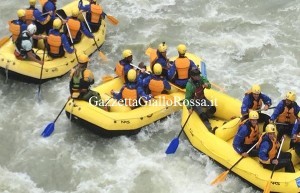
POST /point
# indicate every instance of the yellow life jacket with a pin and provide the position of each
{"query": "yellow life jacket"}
(182, 67)
(74, 26)
(55, 43)
(119, 70)
(253, 136)
(130, 96)
(15, 30)
(153, 58)
(287, 116)
(96, 11)
(156, 87)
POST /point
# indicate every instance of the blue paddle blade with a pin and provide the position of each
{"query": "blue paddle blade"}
(48, 130)
(203, 69)
(173, 146)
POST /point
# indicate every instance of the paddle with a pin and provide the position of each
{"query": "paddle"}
(103, 57)
(4, 40)
(50, 127)
(70, 36)
(175, 142)
(40, 83)
(268, 185)
(223, 175)
(112, 19)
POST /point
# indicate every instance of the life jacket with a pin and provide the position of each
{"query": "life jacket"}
(153, 57)
(55, 43)
(182, 67)
(130, 96)
(287, 116)
(79, 83)
(253, 134)
(273, 148)
(29, 14)
(156, 86)
(74, 26)
(119, 70)
(18, 44)
(256, 105)
(95, 14)
(15, 30)
(199, 91)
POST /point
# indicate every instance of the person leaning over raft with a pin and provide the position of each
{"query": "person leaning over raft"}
(285, 114)
(57, 42)
(132, 92)
(94, 14)
(247, 136)
(24, 44)
(81, 80)
(196, 99)
(268, 150)
(179, 72)
(253, 100)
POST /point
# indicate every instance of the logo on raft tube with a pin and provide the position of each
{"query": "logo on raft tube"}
(161, 101)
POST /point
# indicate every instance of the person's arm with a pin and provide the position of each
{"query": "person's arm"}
(267, 100)
(239, 139)
(85, 31)
(172, 72)
(277, 111)
(66, 44)
(142, 94)
(245, 105)
(167, 85)
(263, 153)
(40, 18)
(205, 82)
(84, 8)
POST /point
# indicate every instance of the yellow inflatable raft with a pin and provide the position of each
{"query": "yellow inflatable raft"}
(218, 146)
(29, 71)
(122, 120)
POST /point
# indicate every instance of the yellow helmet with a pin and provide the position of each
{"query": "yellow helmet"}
(270, 128)
(291, 96)
(32, 2)
(253, 115)
(256, 89)
(126, 53)
(75, 12)
(131, 75)
(162, 47)
(299, 114)
(181, 48)
(83, 58)
(21, 13)
(157, 69)
(57, 23)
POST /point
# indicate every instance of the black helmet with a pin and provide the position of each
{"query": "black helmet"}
(195, 72)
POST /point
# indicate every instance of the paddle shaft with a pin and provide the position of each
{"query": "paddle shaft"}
(40, 83)
(60, 111)
(184, 124)
(90, 31)
(277, 156)
(70, 36)
(242, 156)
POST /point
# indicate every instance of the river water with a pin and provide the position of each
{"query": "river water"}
(243, 42)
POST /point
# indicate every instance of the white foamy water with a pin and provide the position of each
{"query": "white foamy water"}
(243, 42)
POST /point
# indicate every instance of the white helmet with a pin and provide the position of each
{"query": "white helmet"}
(31, 28)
